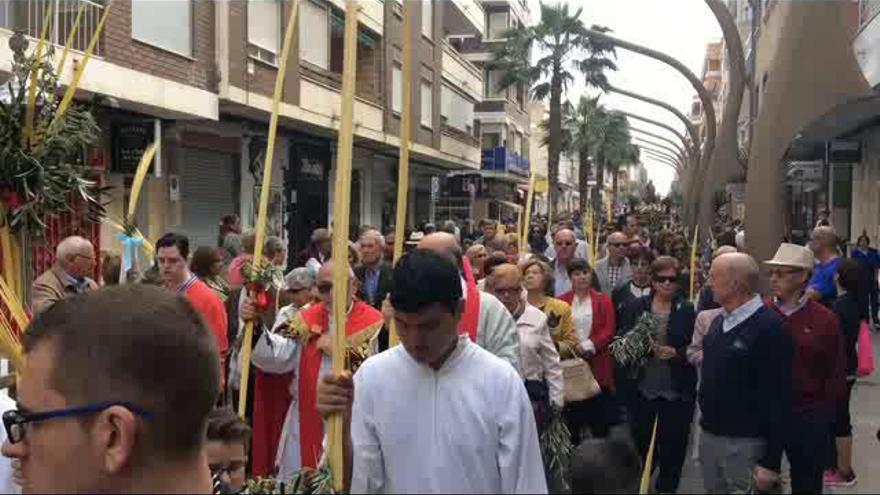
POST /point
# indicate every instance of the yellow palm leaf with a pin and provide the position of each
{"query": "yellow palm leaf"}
(139, 176)
(69, 40)
(32, 86)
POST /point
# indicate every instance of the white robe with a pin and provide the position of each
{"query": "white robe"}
(496, 330)
(466, 428)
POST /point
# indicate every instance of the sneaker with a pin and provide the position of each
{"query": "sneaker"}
(836, 478)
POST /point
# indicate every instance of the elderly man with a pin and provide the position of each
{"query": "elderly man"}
(823, 242)
(746, 387)
(374, 273)
(613, 270)
(706, 315)
(74, 263)
(538, 359)
(287, 426)
(485, 320)
(564, 245)
(490, 230)
(818, 367)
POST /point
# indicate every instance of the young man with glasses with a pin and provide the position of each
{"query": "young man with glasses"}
(114, 396)
(74, 265)
(818, 366)
(613, 270)
(288, 431)
(172, 254)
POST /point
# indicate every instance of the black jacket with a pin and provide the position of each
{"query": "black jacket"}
(384, 287)
(623, 298)
(679, 332)
(382, 290)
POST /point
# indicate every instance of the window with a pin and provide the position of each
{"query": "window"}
(264, 29)
(493, 77)
(314, 41)
(428, 18)
(457, 111)
(497, 25)
(396, 89)
(517, 142)
(427, 104)
(167, 24)
(490, 140)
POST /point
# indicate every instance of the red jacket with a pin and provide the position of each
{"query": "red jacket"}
(208, 304)
(818, 363)
(601, 335)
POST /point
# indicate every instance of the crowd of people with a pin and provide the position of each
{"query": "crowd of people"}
(502, 341)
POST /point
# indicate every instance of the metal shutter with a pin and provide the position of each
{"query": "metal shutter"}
(207, 183)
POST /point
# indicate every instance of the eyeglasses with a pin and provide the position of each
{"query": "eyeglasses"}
(325, 288)
(508, 291)
(618, 244)
(565, 244)
(661, 280)
(16, 420)
(90, 258)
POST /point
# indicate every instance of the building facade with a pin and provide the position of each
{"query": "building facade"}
(199, 76)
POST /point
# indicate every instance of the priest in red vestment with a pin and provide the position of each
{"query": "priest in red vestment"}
(287, 429)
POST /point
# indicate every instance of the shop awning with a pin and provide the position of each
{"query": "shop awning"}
(508, 204)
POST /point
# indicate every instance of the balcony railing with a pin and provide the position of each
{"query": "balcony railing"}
(27, 16)
(502, 159)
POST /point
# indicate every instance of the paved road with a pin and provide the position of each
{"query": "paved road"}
(865, 410)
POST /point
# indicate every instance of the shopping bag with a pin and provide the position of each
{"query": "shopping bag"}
(866, 351)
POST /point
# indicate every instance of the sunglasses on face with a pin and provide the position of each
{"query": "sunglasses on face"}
(15, 421)
(618, 244)
(662, 280)
(324, 288)
(565, 244)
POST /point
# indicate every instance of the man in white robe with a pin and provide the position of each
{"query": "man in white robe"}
(436, 414)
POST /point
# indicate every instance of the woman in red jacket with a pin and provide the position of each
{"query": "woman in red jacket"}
(593, 315)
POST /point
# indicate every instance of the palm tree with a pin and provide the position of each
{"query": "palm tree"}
(612, 147)
(560, 40)
(578, 132)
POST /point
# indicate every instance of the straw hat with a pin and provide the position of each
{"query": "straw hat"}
(792, 255)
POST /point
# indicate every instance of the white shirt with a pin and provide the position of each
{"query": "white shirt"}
(741, 313)
(538, 358)
(639, 291)
(582, 314)
(562, 284)
(465, 428)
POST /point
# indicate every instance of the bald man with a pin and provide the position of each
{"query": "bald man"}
(287, 430)
(74, 263)
(823, 242)
(746, 387)
(565, 248)
(613, 270)
(705, 300)
(485, 319)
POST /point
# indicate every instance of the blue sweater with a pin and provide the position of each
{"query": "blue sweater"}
(746, 385)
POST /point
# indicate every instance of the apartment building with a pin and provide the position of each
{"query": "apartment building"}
(501, 124)
(712, 81)
(198, 76)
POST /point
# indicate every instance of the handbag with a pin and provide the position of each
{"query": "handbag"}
(865, 351)
(578, 380)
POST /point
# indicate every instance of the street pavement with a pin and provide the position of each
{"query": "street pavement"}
(865, 410)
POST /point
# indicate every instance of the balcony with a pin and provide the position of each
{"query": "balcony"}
(27, 16)
(371, 13)
(502, 159)
(463, 17)
(462, 73)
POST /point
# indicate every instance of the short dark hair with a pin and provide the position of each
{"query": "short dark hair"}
(422, 278)
(139, 344)
(226, 427)
(578, 265)
(640, 253)
(202, 259)
(851, 276)
(180, 241)
(605, 465)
